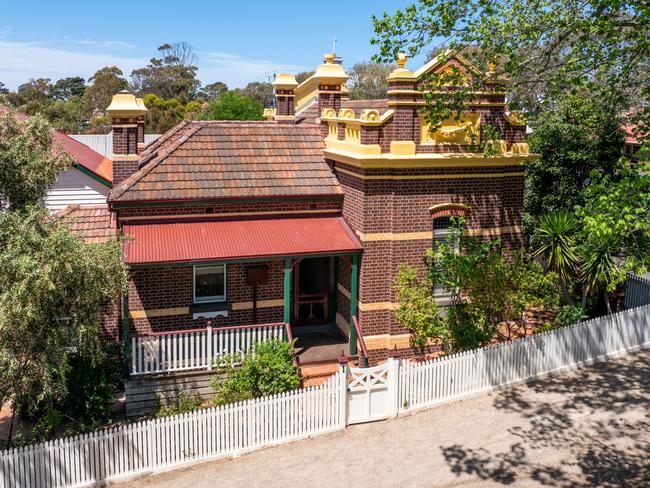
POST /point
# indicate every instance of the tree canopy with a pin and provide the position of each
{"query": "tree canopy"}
(30, 161)
(232, 105)
(547, 47)
(368, 80)
(105, 83)
(172, 75)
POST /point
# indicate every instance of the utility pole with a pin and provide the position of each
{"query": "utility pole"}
(334, 45)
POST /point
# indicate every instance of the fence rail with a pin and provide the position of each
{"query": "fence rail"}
(194, 349)
(467, 373)
(637, 291)
(172, 441)
(369, 393)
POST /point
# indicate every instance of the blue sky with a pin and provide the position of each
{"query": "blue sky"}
(236, 41)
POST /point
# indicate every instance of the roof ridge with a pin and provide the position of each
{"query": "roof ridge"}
(165, 137)
(128, 183)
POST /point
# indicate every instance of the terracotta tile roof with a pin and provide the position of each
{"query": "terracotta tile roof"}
(94, 224)
(231, 159)
(309, 114)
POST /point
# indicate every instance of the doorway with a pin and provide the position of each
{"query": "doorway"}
(312, 292)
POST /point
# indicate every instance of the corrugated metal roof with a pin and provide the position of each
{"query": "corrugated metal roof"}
(230, 240)
(103, 143)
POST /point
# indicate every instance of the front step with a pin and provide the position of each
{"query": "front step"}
(317, 373)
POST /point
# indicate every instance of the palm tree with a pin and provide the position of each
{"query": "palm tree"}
(556, 245)
(599, 265)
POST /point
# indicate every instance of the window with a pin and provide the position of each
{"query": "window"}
(210, 283)
(441, 231)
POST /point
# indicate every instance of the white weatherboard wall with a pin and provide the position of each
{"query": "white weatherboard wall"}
(75, 188)
(362, 395)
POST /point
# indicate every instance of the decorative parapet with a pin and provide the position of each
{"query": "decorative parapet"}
(465, 130)
(516, 118)
(367, 118)
(268, 114)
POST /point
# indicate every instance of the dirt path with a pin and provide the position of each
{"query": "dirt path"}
(587, 428)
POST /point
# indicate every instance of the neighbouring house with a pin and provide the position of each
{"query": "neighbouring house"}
(632, 145)
(234, 228)
(103, 143)
(87, 182)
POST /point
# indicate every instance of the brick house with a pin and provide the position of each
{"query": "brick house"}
(304, 218)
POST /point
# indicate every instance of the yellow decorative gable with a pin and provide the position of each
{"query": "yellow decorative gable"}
(464, 130)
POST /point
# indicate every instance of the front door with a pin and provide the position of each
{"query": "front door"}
(312, 285)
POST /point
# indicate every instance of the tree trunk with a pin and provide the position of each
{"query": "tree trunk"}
(609, 308)
(566, 296)
(11, 425)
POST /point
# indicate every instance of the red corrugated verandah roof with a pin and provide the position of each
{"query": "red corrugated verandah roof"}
(180, 242)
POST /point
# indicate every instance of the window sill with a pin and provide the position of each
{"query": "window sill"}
(209, 310)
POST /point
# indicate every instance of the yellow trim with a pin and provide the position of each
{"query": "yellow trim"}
(126, 157)
(168, 312)
(353, 147)
(402, 148)
(343, 324)
(158, 312)
(374, 306)
(431, 177)
(344, 153)
(344, 291)
(427, 235)
(468, 103)
(285, 117)
(440, 92)
(368, 118)
(260, 304)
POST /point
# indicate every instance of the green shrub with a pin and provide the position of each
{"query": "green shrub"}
(90, 385)
(266, 369)
(569, 315)
(184, 403)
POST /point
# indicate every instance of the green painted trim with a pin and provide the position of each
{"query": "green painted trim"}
(126, 340)
(354, 279)
(94, 176)
(287, 290)
(192, 203)
(236, 261)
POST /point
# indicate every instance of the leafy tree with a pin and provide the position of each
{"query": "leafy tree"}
(213, 90)
(52, 290)
(172, 75)
(30, 162)
(549, 47)
(267, 369)
(303, 75)
(35, 90)
(65, 88)
(368, 80)
(3, 89)
(103, 85)
(231, 105)
(575, 136)
(260, 91)
(418, 311)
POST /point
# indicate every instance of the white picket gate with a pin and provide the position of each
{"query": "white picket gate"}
(353, 396)
(372, 392)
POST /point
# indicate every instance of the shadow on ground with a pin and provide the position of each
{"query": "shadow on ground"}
(600, 417)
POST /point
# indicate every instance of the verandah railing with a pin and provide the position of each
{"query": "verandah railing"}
(195, 349)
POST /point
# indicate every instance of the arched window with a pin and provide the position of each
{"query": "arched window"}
(442, 216)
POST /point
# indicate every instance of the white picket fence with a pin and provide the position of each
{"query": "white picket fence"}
(169, 442)
(196, 348)
(361, 394)
(471, 372)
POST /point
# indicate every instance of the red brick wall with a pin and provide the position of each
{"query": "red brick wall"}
(166, 288)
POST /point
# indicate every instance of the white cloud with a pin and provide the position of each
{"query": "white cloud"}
(236, 71)
(20, 61)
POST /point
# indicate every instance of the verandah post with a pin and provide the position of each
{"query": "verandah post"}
(287, 295)
(209, 344)
(353, 303)
(126, 342)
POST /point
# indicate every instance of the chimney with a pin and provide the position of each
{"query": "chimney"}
(284, 86)
(331, 78)
(127, 118)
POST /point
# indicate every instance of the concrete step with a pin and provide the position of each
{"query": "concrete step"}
(318, 372)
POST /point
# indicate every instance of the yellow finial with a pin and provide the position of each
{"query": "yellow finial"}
(329, 58)
(401, 60)
(492, 66)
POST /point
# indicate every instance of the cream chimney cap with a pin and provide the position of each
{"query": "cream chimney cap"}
(330, 72)
(285, 81)
(125, 104)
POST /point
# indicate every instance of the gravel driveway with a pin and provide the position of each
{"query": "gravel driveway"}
(587, 428)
